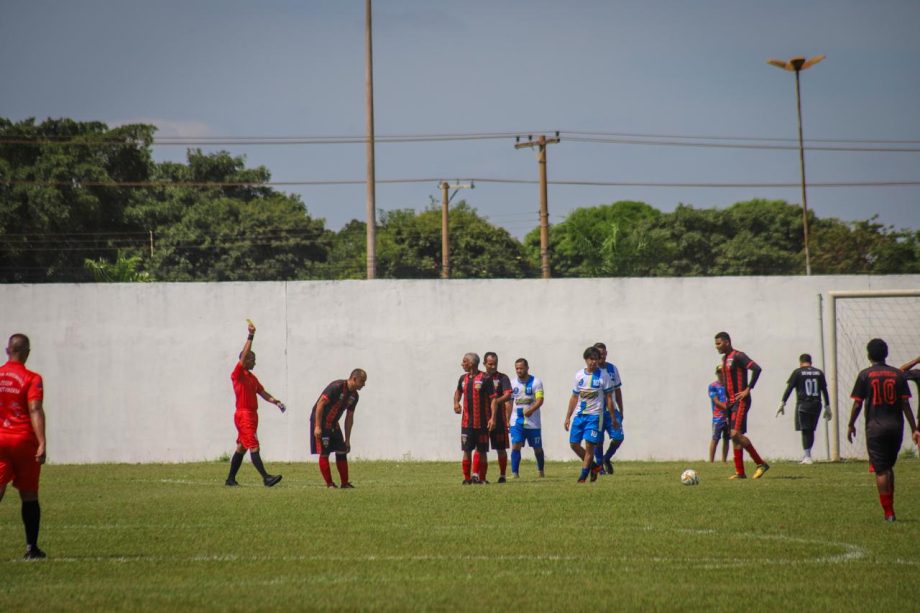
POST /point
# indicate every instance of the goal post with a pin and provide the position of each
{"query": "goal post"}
(855, 318)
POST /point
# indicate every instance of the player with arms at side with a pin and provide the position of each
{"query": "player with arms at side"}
(735, 367)
(498, 424)
(246, 387)
(809, 385)
(719, 405)
(601, 457)
(340, 396)
(527, 398)
(22, 436)
(884, 391)
(473, 401)
(592, 392)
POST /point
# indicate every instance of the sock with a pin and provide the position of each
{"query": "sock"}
(739, 462)
(614, 445)
(599, 453)
(584, 474)
(341, 462)
(808, 441)
(483, 465)
(503, 464)
(887, 501)
(476, 465)
(257, 462)
(467, 468)
(324, 469)
(515, 460)
(753, 453)
(235, 462)
(539, 454)
(31, 518)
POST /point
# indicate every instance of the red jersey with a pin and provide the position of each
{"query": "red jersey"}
(246, 387)
(478, 391)
(18, 386)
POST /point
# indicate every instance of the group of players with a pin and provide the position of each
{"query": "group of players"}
(499, 412)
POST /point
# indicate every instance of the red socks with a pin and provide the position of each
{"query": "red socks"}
(739, 463)
(342, 465)
(887, 501)
(503, 464)
(753, 453)
(481, 464)
(467, 467)
(324, 469)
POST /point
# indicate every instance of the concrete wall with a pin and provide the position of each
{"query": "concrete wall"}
(140, 372)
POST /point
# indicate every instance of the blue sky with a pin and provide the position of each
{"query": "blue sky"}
(274, 68)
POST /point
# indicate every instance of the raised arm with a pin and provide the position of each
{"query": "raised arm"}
(247, 346)
(911, 364)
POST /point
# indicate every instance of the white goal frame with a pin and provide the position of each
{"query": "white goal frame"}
(832, 371)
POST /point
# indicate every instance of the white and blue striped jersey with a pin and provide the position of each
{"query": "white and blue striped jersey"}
(614, 379)
(591, 389)
(523, 395)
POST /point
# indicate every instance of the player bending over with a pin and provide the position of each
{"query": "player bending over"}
(340, 396)
(527, 398)
(592, 391)
(246, 387)
(22, 436)
(884, 391)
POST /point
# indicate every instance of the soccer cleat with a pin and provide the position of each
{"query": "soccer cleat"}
(475, 480)
(348, 486)
(608, 467)
(271, 480)
(581, 481)
(541, 474)
(34, 553)
(515, 475)
(231, 483)
(332, 485)
(501, 479)
(807, 460)
(738, 476)
(761, 470)
(467, 482)
(889, 518)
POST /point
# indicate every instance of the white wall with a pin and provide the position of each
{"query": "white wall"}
(140, 372)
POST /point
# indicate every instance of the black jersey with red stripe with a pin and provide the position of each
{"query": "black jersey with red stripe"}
(883, 389)
(735, 367)
(338, 400)
(478, 391)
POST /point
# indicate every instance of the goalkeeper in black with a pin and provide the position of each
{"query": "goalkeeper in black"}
(809, 385)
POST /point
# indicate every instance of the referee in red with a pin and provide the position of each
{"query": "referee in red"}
(22, 436)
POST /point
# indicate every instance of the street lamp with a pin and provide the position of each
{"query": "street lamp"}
(798, 64)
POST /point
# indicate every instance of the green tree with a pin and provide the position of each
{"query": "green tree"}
(863, 247)
(123, 270)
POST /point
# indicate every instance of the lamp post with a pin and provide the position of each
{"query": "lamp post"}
(798, 64)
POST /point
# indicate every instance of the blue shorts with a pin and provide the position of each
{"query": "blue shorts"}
(615, 434)
(520, 434)
(587, 428)
(721, 430)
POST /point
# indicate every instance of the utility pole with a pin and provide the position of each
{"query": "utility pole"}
(541, 144)
(445, 201)
(369, 114)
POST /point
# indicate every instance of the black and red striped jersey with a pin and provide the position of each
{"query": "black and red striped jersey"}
(735, 367)
(477, 392)
(338, 400)
(501, 383)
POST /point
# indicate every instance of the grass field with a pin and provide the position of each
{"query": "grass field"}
(160, 537)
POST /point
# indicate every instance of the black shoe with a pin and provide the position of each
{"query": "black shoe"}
(501, 479)
(332, 485)
(475, 480)
(231, 483)
(271, 480)
(608, 467)
(348, 486)
(467, 481)
(34, 553)
(890, 519)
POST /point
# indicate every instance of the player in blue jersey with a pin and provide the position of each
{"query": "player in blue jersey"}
(718, 401)
(591, 393)
(616, 435)
(524, 416)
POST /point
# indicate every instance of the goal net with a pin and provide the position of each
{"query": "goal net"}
(858, 317)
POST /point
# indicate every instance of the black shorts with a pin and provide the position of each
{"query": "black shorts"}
(500, 438)
(806, 416)
(474, 439)
(883, 447)
(330, 441)
(738, 414)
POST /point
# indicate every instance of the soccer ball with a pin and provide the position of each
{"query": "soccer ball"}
(689, 477)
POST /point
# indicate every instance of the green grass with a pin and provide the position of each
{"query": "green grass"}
(160, 537)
